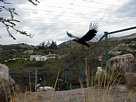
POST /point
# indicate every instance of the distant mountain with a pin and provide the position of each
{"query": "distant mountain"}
(13, 50)
(20, 45)
(66, 44)
(130, 37)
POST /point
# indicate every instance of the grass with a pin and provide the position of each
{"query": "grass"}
(103, 89)
(80, 95)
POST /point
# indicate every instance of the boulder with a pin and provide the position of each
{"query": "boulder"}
(6, 84)
(131, 80)
(124, 63)
(4, 72)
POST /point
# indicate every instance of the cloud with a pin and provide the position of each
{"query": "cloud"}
(52, 18)
(129, 9)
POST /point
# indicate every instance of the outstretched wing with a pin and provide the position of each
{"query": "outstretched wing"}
(89, 35)
(78, 40)
(72, 36)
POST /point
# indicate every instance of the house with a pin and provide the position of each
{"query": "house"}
(50, 55)
(42, 57)
(38, 58)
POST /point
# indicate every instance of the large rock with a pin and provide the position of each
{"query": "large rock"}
(4, 72)
(125, 63)
(131, 80)
(6, 84)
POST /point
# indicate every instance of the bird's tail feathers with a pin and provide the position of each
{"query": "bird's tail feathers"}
(72, 36)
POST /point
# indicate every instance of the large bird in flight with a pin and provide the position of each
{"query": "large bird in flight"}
(87, 37)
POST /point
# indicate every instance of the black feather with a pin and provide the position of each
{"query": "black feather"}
(87, 37)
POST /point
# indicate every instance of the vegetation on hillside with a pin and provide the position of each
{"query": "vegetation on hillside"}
(70, 61)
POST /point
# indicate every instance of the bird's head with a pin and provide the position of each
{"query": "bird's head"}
(93, 31)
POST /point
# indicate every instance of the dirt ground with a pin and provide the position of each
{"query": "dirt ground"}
(78, 95)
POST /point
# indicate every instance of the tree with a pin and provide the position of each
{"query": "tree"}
(42, 45)
(53, 45)
(9, 21)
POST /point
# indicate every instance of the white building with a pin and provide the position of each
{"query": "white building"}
(38, 58)
(51, 55)
(41, 57)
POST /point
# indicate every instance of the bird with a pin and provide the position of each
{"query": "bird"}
(87, 37)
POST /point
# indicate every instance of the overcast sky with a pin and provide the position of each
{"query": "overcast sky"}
(52, 18)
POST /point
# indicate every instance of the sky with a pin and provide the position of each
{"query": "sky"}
(52, 18)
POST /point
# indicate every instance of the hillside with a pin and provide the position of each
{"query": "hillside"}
(70, 60)
(127, 37)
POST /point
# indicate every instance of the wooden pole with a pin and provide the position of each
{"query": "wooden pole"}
(29, 81)
(56, 80)
(86, 72)
(36, 79)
